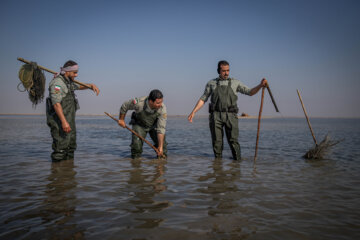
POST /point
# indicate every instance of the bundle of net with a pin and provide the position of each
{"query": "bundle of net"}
(33, 80)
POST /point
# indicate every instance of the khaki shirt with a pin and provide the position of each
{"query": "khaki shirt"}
(58, 89)
(137, 104)
(236, 85)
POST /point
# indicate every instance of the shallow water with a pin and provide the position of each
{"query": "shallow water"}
(104, 194)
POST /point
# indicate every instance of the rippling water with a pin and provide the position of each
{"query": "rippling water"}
(103, 194)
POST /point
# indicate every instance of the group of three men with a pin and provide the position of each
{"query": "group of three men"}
(149, 115)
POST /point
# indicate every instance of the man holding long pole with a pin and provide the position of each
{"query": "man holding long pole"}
(223, 108)
(149, 116)
(61, 106)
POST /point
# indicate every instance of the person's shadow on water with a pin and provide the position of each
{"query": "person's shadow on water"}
(144, 183)
(59, 205)
(221, 187)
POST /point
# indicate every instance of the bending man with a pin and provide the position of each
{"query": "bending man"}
(223, 108)
(149, 117)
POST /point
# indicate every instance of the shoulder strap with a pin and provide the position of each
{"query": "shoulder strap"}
(144, 107)
(69, 85)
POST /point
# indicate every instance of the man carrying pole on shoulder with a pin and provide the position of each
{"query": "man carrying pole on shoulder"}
(61, 106)
(223, 108)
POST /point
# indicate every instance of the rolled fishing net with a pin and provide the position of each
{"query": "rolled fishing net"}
(33, 80)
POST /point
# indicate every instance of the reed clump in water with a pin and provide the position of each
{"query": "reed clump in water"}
(321, 149)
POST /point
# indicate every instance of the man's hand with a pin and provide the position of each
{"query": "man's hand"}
(190, 117)
(65, 126)
(197, 107)
(121, 122)
(161, 153)
(161, 150)
(263, 82)
(95, 89)
(90, 86)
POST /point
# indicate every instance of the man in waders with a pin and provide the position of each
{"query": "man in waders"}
(149, 116)
(60, 111)
(223, 109)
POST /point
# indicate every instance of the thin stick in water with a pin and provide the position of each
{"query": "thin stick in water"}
(136, 134)
(258, 128)
(307, 118)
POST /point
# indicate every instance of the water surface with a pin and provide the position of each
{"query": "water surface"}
(103, 194)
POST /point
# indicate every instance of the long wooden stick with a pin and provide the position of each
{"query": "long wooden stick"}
(307, 118)
(136, 134)
(53, 72)
(258, 128)
(272, 98)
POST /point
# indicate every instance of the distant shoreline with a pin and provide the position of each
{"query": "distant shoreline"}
(175, 115)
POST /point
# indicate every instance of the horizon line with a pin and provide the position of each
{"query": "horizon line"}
(175, 115)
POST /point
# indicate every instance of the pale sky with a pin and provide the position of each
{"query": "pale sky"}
(128, 48)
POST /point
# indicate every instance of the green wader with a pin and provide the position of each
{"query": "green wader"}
(223, 114)
(64, 144)
(143, 123)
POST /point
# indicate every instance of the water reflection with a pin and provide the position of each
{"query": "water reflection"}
(59, 205)
(222, 187)
(145, 182)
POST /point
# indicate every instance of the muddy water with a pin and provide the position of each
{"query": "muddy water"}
(103, 194)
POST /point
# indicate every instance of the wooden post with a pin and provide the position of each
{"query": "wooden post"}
(258, 128)
(272, 98)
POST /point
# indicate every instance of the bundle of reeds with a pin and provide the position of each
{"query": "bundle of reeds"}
(319, 150)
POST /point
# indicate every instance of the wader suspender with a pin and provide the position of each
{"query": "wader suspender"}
(144, 119)
(213, 106)
(70, 85)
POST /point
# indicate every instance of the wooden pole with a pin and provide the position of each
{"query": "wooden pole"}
(258, 128)
(272, 98)
(53, 72)
(307, 118)
(136, 134)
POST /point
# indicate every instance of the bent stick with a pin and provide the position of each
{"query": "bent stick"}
(272, 98)
(258, 128)
(53, 72)
(307, 118)
(136, 134)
